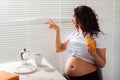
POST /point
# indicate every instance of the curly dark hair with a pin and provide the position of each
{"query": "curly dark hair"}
(87, 19)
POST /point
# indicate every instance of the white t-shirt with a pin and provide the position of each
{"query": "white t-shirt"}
(77, 45)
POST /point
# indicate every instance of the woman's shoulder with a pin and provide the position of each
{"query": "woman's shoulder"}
(100, 40)
(73, 33)
(99, 35)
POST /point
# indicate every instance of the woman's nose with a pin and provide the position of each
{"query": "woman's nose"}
(72, 20)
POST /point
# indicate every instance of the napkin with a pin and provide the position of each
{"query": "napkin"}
(8, 76)
(36, 78)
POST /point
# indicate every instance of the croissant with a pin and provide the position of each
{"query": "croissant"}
(90, 42)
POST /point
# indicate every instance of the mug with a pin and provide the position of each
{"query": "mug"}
(38, 59)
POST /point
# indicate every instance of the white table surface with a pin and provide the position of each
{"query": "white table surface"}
(44, 72)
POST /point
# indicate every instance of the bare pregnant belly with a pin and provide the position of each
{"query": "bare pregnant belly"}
(77, 67)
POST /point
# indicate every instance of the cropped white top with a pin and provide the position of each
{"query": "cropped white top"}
(77, 45)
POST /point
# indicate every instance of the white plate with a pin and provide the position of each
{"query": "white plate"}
(25, 69)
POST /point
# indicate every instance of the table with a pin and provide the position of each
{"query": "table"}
(44, 72)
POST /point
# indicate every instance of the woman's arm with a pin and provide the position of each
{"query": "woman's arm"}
(60, 46)
(99, 56)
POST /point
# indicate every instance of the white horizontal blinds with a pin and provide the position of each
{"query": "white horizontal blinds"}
(29, 8)
(41, 38)
(37, 38)
(43, 8)
(13, 8)
(67, 6)
(12, 38)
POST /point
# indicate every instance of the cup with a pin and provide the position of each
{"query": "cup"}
(38, 59)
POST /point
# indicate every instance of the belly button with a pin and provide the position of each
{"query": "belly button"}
(72, 67)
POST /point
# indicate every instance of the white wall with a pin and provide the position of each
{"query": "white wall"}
(116, 53)
(39, 39)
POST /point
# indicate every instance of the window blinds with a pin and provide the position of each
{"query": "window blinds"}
(37, 37)
(22, 26)
(17, 29)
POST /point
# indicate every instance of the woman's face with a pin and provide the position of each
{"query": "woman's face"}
(74, 20)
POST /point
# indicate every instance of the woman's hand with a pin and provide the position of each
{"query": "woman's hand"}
(92, 52)
(52, 25)
(99, 56)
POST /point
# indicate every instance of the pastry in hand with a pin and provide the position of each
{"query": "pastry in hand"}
(90, 42)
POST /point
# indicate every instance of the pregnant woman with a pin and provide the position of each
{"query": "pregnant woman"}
(85, 45)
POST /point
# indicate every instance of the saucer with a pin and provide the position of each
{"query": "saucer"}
(37, 78)
(25, 69)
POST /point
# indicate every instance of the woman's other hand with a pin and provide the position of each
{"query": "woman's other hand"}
(99, 56)
(92, 52)
(52, 25)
